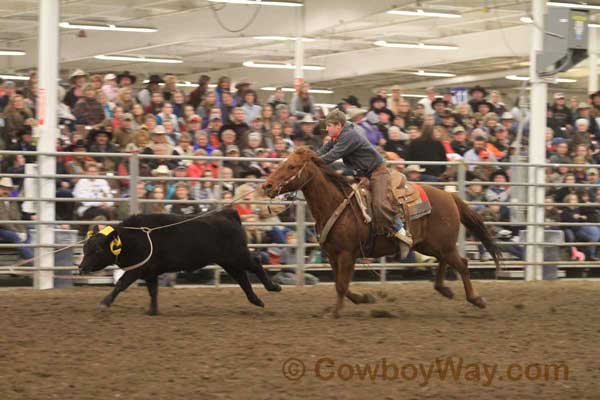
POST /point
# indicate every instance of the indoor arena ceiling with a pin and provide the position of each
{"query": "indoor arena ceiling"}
(492, 40)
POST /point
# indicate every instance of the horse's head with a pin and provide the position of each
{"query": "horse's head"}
(291, 175)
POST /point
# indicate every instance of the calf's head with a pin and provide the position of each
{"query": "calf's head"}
(100, 250)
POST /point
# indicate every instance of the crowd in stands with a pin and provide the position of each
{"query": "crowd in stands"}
(115, 113)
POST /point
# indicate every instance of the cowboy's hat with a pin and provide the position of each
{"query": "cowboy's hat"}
(414, 168)
(77, 73)
(161, 170)
(6, 182)
(126, 74)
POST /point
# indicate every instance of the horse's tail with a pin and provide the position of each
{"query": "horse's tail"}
(474, 224)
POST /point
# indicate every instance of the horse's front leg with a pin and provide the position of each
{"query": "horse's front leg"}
(344, 272)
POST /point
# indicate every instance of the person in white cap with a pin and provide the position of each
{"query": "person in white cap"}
(9, 210)
(110, 89)
(561, 114)
(78, 78)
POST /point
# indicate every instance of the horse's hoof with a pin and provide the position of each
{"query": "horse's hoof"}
(445, 291)
(103, 307)
(152, 312)
(479, 302)
(368, 298)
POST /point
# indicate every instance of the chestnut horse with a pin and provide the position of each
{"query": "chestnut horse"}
(434, 234)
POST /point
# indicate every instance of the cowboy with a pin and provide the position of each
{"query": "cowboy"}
(9, 210)
(357, 153)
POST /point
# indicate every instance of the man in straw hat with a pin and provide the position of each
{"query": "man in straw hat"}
(9, 210)
(358, 154)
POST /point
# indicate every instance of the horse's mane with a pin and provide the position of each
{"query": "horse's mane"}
(338, 180)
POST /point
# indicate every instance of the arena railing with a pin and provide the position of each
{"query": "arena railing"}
(533, 265)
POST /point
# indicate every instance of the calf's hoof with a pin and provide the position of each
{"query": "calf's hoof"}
(152, 312)
(275, 287)
(102, 306)
(257, 302)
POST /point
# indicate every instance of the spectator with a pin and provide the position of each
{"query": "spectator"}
(153, 86)
(78, 78)
(166, 114)
(302, 102)
(581, 134)
(498, 192)
(125, 79)
(480, 153)
(478, 95)
(250, 106)
(109, 88)
(560, 112)
(125, 99)
(277, 98)
(426, 101)
(397, 142)
(205, 107)
(200, 91)
(459, 143)
(17, 116)
(9, 211)
(427, 148)
(93, 188)
(157, 193)
(88, 110)
(124, 134)
(223, 86)
(239, 126)
(182, 192)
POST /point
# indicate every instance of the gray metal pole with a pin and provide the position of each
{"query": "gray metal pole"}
(49, 12)
(593, 49)
(461, 178)
(219, 191)
(537, 147)
(301, 235)
(134, 173)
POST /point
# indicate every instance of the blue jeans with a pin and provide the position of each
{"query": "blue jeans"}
(588, 234)
(12, 237)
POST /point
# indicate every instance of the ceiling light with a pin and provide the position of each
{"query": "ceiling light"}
(422, 13)
(526, 78)
(252, 64)
(383, 43)
(260, 2)
(573, 5)
(288, 89)
(8, 52)
(529, 20)
(438, 74)
(139, 59)
(14, 77)
(107, 27)
(304, 39)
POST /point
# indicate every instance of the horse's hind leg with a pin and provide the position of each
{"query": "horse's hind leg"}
(461, 265)
(439, 281)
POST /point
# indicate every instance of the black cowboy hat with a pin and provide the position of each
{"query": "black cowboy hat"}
(439, 100)
(490, 105)
(387, 111)
(95, 132)
(155, 79)
(595, 94)
(353, 100)
(126, 74)
(376, 99)
(24, 130)
(478, 88)
(499, 172)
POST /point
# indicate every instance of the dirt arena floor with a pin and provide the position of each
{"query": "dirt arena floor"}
(534, 341)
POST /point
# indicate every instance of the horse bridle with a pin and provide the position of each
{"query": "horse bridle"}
(293, 178)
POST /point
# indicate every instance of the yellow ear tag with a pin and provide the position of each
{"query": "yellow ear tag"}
(107, 231)
(90, 233)
(116, 246)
